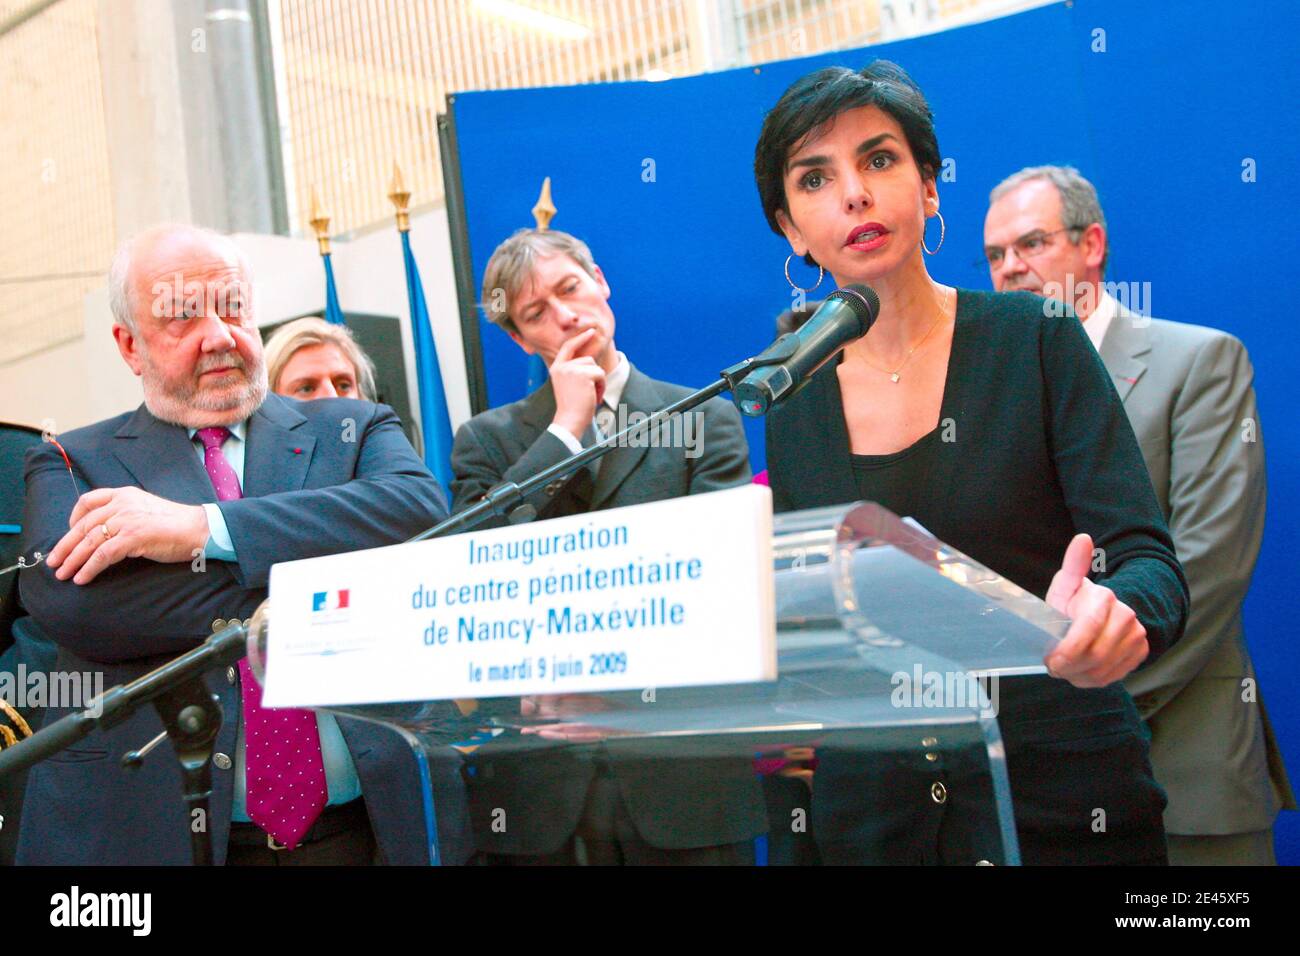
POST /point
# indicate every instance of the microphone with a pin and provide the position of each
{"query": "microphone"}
(847, 314)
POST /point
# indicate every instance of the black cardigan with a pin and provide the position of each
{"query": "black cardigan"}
(1040, 450)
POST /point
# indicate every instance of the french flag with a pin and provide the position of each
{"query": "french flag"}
(329, 600)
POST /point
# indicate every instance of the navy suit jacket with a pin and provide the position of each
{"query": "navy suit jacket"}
(320, 478)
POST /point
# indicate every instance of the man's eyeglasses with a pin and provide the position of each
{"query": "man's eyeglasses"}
(1028, 246)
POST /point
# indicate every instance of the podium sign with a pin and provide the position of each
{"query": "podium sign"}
(890, 646)
(669, 594)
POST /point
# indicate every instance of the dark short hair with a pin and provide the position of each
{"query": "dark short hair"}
(814, 100)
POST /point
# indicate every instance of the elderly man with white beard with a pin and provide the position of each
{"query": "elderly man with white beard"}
(169, 526)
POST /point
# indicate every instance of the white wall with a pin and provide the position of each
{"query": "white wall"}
(50, 385)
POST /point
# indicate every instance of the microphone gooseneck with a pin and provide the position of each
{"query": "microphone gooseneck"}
(846, 315)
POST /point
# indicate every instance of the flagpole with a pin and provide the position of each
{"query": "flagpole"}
(543, 212)
(435, 421)
(400, 197)
(320, 224)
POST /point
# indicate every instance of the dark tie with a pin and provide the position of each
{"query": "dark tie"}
(284, 770)
(605, 419)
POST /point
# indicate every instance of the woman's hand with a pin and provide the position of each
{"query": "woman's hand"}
(1105, 640)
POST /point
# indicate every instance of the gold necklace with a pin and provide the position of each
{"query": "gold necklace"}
(894, 376)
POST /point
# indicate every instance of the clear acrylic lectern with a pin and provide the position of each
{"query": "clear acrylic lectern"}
(887, 640)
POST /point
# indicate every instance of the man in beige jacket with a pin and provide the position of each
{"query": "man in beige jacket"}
(1189, 396)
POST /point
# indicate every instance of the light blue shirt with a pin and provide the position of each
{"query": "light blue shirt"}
(219, 546)
(341, 780)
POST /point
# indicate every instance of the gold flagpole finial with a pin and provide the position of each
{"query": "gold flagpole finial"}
(545, 210)
(400, 197)
(320, 223)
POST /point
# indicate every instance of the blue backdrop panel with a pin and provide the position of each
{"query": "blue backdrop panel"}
(1178, 104)
(1159, 104)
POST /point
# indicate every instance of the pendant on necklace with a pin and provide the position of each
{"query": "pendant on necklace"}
(894, 378)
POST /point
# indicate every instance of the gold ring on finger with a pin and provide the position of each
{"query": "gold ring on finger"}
(103, 529)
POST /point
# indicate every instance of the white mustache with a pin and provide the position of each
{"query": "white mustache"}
(209, 363)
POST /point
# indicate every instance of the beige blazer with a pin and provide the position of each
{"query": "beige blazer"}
(1189, 394)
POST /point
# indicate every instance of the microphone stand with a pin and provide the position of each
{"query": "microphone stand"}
(191, 714)
(508, 498)
(189, 711)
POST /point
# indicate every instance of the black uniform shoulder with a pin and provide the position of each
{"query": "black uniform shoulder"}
(1012, 315)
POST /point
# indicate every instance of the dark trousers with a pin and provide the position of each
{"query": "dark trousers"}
(1091, 801)
(341, 837)
(606, 836)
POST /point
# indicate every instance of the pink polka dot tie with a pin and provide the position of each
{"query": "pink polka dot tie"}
(283, 765)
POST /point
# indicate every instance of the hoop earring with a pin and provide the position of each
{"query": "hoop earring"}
(821, 274)
(943, 229)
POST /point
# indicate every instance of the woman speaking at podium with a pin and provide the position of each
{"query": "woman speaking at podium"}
(996, 426)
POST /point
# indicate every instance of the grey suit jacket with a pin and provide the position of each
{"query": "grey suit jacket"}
(511, 443)
(1188, 393)
(710, 799)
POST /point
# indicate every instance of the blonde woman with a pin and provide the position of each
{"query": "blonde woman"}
(311, 358)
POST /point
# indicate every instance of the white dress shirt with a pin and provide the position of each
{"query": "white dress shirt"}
(1097, 323)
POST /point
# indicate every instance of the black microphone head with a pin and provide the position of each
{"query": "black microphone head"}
(846, 315)
(864, 302)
